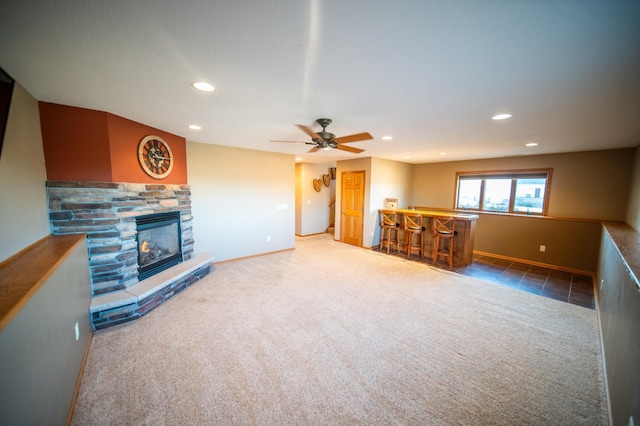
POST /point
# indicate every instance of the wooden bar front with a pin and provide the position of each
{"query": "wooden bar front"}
(465, 228)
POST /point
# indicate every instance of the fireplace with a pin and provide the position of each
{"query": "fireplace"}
(159, 242)
(118, 218)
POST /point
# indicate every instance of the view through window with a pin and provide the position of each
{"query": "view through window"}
(521, 191)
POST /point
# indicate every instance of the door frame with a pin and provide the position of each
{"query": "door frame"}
(360, 239)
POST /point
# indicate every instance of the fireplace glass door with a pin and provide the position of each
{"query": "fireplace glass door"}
(159, 243)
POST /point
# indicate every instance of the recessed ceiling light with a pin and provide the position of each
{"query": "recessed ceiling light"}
(387, 138)
(298, 158)
(204, 86)
(501, 116)
(407, 156)
(531, 144)
(443, 153)
(195, 127)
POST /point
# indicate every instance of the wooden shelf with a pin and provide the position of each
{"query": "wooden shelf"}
(22, 275)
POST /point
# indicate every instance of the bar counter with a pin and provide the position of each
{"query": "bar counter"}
(465, 227)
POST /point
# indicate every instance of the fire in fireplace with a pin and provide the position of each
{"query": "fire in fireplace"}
(159, 243)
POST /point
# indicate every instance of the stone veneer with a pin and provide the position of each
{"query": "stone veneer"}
(106, 212)
(121, 306)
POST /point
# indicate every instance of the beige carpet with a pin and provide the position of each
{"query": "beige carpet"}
(333, 334)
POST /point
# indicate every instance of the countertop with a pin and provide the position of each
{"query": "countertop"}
(627, 241)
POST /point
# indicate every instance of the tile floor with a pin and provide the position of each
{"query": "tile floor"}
(561, 285)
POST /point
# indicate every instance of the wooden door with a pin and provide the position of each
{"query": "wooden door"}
(352, 208)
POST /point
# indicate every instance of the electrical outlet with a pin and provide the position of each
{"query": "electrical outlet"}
(543, 248)
(77, 331)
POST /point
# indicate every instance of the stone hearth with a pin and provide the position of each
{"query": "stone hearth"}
(106, 212)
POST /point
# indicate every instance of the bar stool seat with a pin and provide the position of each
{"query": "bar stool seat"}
(413, 226)
(444, 230)
(388, 229)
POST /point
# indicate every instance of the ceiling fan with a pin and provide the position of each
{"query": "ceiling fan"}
(326, 140)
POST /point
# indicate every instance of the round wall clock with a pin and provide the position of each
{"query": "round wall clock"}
(155, 157)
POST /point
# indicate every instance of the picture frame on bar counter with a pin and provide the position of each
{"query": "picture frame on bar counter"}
(391, 203)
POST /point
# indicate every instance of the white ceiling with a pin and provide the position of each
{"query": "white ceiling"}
(429, 73)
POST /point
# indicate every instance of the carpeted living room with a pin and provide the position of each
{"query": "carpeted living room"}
(329, 333)
(320, 212)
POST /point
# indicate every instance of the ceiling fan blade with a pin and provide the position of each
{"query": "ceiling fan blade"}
(354, 138)
(314, 149)
(350, 149)
(308, 143)
(308, 131)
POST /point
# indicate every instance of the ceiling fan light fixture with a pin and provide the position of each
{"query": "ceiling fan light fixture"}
(203, 85)
(501, 116)
(326, 141)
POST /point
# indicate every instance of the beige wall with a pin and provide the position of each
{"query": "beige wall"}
(389, 179)
(23, 211)
(619, 306)
(313, 213)
(41, 358)
(243, 201)
(569, 244)
(586, 185)
(633, 205)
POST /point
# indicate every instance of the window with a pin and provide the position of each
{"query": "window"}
(515, 191)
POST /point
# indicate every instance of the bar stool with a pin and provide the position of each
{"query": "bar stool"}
(444, 230)
(388, 224)
(413, 226)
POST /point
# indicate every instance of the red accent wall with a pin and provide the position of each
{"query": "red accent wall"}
(76, 143)
(88, 145)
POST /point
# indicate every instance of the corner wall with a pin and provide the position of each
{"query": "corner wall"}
(633, 204)
(243, 201)
(390, 179)
(619, 306)
(619, 313)
(23, 211)
(40, 357)
(95, 146)
(313, 210)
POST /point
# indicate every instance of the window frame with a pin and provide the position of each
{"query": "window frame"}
(514, 175)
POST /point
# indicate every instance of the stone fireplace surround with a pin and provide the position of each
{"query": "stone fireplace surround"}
(106, 212)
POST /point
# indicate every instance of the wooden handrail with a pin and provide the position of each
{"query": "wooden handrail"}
(22, 275)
